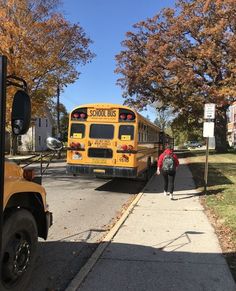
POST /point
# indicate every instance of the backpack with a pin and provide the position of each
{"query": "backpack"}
(168, 164)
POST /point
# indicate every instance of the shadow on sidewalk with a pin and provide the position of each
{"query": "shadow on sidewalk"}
(120, 185)
(189, 187)
(135, 267)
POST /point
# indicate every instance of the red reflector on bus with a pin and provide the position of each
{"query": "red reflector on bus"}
(130, 147)
(125, 157)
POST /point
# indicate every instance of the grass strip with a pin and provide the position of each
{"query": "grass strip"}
(220, 201)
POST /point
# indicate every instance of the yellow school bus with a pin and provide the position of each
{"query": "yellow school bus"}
(24, 213)
(111, 140)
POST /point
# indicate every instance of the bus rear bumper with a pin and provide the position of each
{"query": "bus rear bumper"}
(93, 170)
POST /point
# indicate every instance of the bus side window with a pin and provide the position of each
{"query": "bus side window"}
(77, 130)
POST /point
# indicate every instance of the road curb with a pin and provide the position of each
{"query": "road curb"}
(82, 274)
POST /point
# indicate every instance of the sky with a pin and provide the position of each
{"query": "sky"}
(105, 22)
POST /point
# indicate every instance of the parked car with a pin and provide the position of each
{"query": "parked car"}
(194, 144)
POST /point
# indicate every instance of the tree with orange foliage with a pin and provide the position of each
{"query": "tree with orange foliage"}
(184, 57)
(42, 47)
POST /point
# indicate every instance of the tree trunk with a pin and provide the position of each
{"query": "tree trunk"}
(221, 130)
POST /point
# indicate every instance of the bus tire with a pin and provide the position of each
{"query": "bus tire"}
(19, 248)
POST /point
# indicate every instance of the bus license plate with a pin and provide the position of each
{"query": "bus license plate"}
(99, 171)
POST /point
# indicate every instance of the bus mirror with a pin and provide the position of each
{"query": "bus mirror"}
(54, 144)
(21, 113)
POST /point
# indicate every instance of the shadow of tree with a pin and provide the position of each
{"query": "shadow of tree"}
(215, 174)
(145, 266)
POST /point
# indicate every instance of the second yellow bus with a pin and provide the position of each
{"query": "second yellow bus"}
(111, 140)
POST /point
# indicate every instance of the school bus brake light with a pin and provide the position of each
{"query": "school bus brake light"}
(124, 147)
(76, 145)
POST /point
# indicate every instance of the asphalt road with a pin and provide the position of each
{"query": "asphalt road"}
(83, 208)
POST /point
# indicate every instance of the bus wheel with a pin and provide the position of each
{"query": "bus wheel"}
(19, 247)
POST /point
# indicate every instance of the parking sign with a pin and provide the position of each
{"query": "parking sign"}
(209, 111)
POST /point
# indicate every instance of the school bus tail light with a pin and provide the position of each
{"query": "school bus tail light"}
(74, 145)
(124, 147)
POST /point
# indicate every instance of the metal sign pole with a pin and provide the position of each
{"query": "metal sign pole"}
(206, 166)
(208, 131)
(3, 79)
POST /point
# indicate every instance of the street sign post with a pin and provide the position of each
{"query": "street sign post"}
(208, 131)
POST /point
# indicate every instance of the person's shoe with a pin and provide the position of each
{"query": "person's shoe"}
(171, 196)
(165, 193)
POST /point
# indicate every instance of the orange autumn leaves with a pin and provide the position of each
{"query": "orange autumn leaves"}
(181, 53)
(183, 56)
(41, 46)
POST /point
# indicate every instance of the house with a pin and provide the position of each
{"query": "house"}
(35, 139)
(232, 125)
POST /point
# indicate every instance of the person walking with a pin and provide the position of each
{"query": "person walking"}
(167, 164)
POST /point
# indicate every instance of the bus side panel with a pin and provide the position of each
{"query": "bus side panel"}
(147, 156)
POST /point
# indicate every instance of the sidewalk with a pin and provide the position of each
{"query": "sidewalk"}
(163, 245)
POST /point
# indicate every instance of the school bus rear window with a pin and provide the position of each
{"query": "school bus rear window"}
(77, 130)
(126, 131)
(102, 131)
